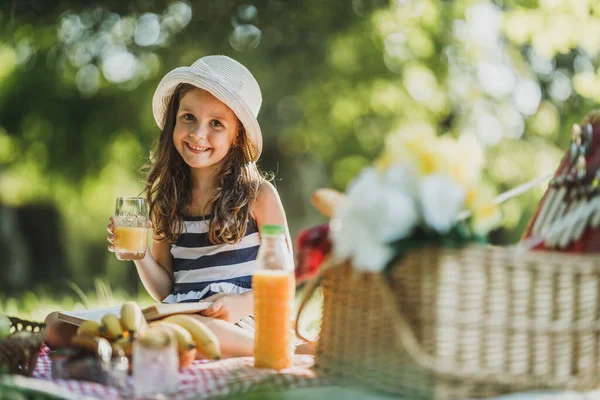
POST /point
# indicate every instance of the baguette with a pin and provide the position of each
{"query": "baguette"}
(327, 201)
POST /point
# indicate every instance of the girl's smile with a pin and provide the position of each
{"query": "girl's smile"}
(197, 149)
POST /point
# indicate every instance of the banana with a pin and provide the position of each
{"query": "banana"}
(132, 318)
(206, 341)
(112, 327)
(184, 338)
(90, 328)
(157, 337)
(125, 344)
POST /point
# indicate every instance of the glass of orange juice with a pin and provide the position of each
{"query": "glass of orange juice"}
(131, 228)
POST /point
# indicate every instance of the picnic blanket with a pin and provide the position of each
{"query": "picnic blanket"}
(202, 380)
(236, 377)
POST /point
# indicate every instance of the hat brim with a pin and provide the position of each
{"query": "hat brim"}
(192, 76)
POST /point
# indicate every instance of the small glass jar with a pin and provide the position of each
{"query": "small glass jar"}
(155, 364)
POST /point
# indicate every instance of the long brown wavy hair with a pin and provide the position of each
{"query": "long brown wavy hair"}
(169, 190)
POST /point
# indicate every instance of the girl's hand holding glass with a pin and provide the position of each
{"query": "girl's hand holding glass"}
(128, 229)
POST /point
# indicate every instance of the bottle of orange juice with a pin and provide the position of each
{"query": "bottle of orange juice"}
(274, 287)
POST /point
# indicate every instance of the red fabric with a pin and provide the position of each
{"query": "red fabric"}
(590, 240)
(203, 379)
(312, 245)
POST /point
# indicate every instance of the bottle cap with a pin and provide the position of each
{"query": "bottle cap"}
(272, 230)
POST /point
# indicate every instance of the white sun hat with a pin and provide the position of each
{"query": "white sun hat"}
(227, 80)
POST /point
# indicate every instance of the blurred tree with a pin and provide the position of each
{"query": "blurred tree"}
(510, 77)
(339, 78)
(31, 252)
(75, 99)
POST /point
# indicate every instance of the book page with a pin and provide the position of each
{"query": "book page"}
(161, 310)
(76, 317)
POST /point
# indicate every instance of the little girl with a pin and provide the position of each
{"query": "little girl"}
(207, 198)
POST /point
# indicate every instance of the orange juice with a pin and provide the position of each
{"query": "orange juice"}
(131, 242)
(273, 315)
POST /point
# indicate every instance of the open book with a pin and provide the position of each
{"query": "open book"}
(153, 312)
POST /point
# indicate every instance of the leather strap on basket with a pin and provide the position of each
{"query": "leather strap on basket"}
(311, 286)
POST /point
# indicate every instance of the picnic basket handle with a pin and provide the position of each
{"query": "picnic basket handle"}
(326, 201)
(311, 287)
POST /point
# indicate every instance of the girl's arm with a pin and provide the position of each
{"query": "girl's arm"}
(266, 210)
(156, 270)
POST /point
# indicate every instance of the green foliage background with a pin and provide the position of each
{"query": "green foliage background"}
(338, 77)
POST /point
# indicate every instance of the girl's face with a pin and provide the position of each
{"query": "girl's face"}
(205, 129)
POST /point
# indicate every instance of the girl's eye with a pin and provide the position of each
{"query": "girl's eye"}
(216, 123)
(188, 117)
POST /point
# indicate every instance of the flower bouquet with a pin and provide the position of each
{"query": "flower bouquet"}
(423, 190)
(415, 304)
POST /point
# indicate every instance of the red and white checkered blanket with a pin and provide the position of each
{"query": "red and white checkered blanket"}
(201, 380)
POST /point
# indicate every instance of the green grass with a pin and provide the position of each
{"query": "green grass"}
(35, 305)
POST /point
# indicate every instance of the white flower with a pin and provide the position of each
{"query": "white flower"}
(402, 177)
(397, 215)
(375, 213)
(384, 204)
(345, 231)
(354, 241)
(441, 200)
(373, 255)
(363, 192)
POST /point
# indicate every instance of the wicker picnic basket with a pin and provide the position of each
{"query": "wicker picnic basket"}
(476, 321)
(19, 351)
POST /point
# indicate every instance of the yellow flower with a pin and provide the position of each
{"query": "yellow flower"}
(464, 159)
(428, 162)
(479, 195)
(485, 214)
(384, 161)
(418, 145)
(445, 149)
(470, 197)
(486, 218)
(487, 211)
(409, 143)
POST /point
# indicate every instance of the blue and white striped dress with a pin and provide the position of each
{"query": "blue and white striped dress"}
(202, 269)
